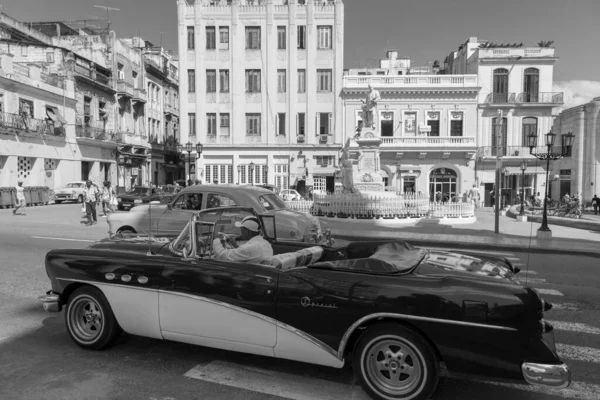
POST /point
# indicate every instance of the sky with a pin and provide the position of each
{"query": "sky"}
(424, 30)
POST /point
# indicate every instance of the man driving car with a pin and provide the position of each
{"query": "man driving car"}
(255, 250)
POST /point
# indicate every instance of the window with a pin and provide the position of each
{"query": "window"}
(222, 173)
(281, 42)
(87, 105)
(192, 124)
(224, 120)
(188, 201)
(253, 80)
(500, 86)
(301, 81)
(191, 81)
(324, 161)
(211, 80)
(24, 50)
(503, 140)
(323, 80)
(224, 80)
(121, 71)
(565, 172)
(280, 175)
(319, 183)
(302, 37)
(253, 124)
(134, 77)
(50, 57)
(219, 200)
(280, 123)
(324, 123)
(529, 127)
(324, 37)
(456, 124)
(211, 124)
(224, 37)
(531, 85)
(281, 81)
(253, 37)
(211, 39)
(190, 38)
(433, 120)
(301, 123)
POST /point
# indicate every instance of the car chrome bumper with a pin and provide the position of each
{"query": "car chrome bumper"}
(551, 375)
(50, 301)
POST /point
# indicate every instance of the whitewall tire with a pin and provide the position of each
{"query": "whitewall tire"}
(393, 362)
(90, 320)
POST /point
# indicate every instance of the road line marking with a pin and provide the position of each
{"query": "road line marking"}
(275, 383)
(578, 353)
(528, 272)
(549, 292)
(565, 306)
(67, 239)
(577, 390)
(535, 280)
(575, 327)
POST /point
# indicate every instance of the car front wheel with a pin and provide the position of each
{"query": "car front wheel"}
(90, 320)
(392, 362)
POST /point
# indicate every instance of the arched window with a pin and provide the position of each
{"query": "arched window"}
(442, 185)
(529, 127)
(501, 85)
(531, 85)
(502, 143)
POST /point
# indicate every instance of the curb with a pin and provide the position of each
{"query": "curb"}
(479, 246)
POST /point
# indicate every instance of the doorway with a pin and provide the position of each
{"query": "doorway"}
(330, 184)
(409, 185)
(86, 167)
(442, 184)
(387, 127)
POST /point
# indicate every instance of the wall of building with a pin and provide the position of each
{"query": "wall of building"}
(91, 47)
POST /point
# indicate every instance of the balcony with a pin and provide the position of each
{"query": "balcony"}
(518, 152)
(124, 89)
(93, 77)
(540, 98)
(410, 81)
(139, 95)
(98, 134)
(25, 126)
(500, 98)
(170, 109)
(428, 141)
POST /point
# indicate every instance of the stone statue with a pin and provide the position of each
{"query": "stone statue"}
(369, 108)
(346, 170)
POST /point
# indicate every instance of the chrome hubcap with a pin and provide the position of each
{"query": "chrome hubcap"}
(86, 319)
(393, 366)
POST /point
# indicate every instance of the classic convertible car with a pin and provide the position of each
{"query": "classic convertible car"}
(394, 311)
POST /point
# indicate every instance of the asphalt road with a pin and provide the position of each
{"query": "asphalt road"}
(38, 359)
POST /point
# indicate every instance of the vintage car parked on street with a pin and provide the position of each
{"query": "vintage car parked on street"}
(169, 219)
(394, 311)
(73, 191)
(290, 195)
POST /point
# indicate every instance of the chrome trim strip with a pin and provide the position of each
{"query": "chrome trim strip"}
(95, 283)
(550, 375)
(273, 321)
(369, 317)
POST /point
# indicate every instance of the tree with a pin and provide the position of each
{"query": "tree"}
(545, 43)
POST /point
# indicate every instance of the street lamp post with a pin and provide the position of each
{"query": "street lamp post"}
(239, 168)
(189, 148)
(252, 173)
(497, 200)
(523, 169)
(544, 231)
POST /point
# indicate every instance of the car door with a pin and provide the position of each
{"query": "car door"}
(220, 304)
(178, 214)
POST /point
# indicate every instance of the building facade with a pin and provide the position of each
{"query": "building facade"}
(515, 100)
(260, 84)
(578, 173)
(428, 130)
(37, 125)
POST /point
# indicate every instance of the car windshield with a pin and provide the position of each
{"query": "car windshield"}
(139, 190)
(272, 202)
(74, 185)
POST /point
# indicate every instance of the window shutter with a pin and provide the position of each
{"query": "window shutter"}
(277, 124)
(297, 124)
(330, 131)
(318, 119)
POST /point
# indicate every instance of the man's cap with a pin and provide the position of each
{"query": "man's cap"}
(250, 223)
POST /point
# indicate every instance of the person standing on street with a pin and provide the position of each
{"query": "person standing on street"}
(595, 204)
(91, 194)
(20, 198)
(474, 196)
(108, 193)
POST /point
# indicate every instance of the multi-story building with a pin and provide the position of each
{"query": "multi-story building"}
(517, 81)
(577, 173)
(37, 116)
(427, 125)
(162, 85)
(259, 88)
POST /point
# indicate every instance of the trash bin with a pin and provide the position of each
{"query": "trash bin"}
(5, 197)
(35, 195)
(44, 195)
(27, 194)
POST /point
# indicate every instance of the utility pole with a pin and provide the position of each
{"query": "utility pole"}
(107, 9)
(499, 154)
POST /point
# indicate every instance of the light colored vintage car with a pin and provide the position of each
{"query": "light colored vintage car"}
(290, 195)
(72, 192)
(169, 219)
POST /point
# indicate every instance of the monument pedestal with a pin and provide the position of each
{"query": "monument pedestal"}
(366, 171)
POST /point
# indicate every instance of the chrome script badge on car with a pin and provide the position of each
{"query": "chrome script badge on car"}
(306, 302)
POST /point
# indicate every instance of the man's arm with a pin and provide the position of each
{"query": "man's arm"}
(240, 254)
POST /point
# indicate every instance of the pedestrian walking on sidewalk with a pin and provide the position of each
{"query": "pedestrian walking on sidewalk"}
(20, 198)
(474, 196)
(108, 193)
(92, 195)
(595, 204)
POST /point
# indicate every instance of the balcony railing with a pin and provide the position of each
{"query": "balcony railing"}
(540, 98)
(24, 125)
(500, 98)
(434, 141)
(513, 151)
(53, 80)
(170, 109)
(93, 75)
(124, 88)
(92, 132)
(417, 81)
(139, 94)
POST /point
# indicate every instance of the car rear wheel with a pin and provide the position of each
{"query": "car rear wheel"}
(90, 320)
(57, 201)
(392, 362)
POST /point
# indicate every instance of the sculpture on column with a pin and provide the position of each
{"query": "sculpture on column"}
(369, 108)
(346, 170)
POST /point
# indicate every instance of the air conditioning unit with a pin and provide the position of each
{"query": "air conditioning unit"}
(323, 138)
(301, 138)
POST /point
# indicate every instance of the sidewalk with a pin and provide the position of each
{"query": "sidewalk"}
(513, 236)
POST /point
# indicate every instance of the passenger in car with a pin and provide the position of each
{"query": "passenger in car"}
(254, 251)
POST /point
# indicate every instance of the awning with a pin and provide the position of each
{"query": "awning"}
(531, 170)
(55, 116)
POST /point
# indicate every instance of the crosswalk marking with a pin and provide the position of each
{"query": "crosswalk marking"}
(577, 390)
(549, 292)
(565, 306)
(578, 353)
(528, 272)
(575, 327)
(534, 280)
